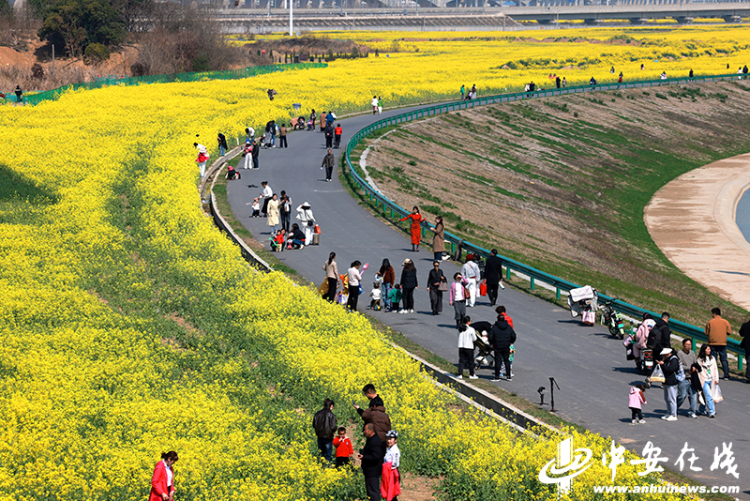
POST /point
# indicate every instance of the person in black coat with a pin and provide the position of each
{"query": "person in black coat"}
(408, 284)
(660, 335)
(493, 273)
(372, 462)
(670, 365)
(501, 336)
(745, 344)
(434, 279)
(329, 135)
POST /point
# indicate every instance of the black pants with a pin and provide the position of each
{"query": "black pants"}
(342, 462)
(353, 297)
(329, 142)
(636, 413)
(282, 142)
(372, 484)
(503, 355)
(408, 298)
(264, 209)
(465, 358)
(720, 354)
(492, 292)
(331, 294)
(337, 141)
(286, 218)
(436, 299)
(329, 171)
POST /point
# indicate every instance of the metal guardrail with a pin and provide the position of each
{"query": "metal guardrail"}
(251, 71)
(385, 204)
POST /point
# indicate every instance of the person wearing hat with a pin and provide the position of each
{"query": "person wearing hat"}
(670, 365)
(390, 483)
(202, 158)
(408, 284)
(307, 221)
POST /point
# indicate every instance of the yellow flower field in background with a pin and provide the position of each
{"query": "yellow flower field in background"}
(131, 326)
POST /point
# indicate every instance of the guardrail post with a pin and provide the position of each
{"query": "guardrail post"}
(532, 283)
(695, 345)
(557, 293)
(507, 273)
(739, 362)
(453, 249)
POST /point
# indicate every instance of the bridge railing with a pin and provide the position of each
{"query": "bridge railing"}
(391, 209)
(251, 71)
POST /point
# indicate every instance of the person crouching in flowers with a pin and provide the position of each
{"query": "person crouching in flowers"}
(390, 481)
(162, 483)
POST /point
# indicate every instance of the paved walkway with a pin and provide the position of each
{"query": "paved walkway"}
(588, 364)
(692, 220)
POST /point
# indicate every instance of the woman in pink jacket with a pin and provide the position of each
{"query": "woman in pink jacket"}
(641, 336)
(162, 483)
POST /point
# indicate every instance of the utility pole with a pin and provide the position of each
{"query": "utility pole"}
(291, 21)
(53, 60)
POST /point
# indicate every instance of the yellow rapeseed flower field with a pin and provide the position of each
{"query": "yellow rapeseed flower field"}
(131, 326)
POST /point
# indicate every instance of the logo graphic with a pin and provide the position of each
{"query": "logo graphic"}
(564, 468)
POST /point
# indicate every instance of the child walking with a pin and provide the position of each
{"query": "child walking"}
(343, 446)
(635, 400)
(394, 297)
(466, 338)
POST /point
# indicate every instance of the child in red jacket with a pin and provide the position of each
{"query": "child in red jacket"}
(343, 447)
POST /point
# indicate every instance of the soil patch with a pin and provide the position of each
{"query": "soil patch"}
(561, 183)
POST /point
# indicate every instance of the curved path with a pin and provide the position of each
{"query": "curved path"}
(588, 364)
(692, 220)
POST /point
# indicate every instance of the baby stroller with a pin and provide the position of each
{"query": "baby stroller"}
(583, 302)
(484, 354)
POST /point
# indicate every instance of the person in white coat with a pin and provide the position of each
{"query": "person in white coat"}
(466, 338)
(306, 217)
(470, 271)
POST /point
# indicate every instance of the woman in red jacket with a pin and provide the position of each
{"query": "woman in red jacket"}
(416, 228)
(162, 483)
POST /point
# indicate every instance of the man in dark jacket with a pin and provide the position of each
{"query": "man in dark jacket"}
(324, 424)
(660, 336)
(329, 135)
(493, 273)
(256, 154)
(372, 462)
(328, 163)
(670, 364)
(501, 336)
(745, 344)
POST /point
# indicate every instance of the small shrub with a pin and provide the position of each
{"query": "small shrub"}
(661, 96)
(37, 72)
(412, 163)
(95, 53)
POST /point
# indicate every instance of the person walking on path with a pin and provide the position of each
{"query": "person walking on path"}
(467, 336)
(709, 377)
(222, 140)
(371, 457)
(328, 163)
(408, 284)
(745, 344)
(438, 240)
(329, 135)
(337, 136)
(265, 193)
(273, 213)
(307, 220)
(332, 275)
(203, 157)
(635, 402)
(162, 481)
(416, 227)
(457, 297)
(325, 426)
(354, 277)
(285, 208)
(470, 271)
(501, 336)
(390, 485)
(389, 278)
(256, 155)
(247, 153)
(19, 95)
(717, 331)
(435, 279)
(374, 104)
(684, 389)
(670, 365)
(558, 82)
(493, 273)
(282, 137)
(380, 105)
(463, 92)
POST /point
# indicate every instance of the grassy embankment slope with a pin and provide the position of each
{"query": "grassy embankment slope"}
(561, 183)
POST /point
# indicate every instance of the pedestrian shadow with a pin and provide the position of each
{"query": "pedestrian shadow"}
(447, 326)
(626, 370)
(571, 321)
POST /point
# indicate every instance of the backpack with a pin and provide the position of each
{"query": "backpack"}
(680, 374)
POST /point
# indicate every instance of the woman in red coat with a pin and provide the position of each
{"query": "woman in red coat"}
(162, 483)
(416, 228)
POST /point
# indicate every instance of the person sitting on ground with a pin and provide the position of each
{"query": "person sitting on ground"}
(296, 238)
(277, 241)
(233, 174)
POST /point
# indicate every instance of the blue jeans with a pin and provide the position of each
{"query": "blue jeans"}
(273, 139)
(326, 448)
(684, 390)
(222, 151)
(720, 353)
(709, 397)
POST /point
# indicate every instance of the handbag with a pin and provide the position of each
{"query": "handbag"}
(316, 230)
(657, 375)
(718, 397)
(483, 288)
(443, 286)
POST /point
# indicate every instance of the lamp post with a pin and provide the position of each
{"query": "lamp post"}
(291, 21)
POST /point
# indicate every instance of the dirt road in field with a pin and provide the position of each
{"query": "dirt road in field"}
(692, 220)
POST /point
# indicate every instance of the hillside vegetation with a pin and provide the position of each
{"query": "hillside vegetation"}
(561, 183)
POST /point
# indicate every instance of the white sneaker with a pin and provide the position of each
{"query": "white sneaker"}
(642, 421)
(473, 377)
(664, 417)
(634, 422)
(495, 380)
(672, 418)
(411, 311)
(459, 377)
(402, 311)
(302, 246)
